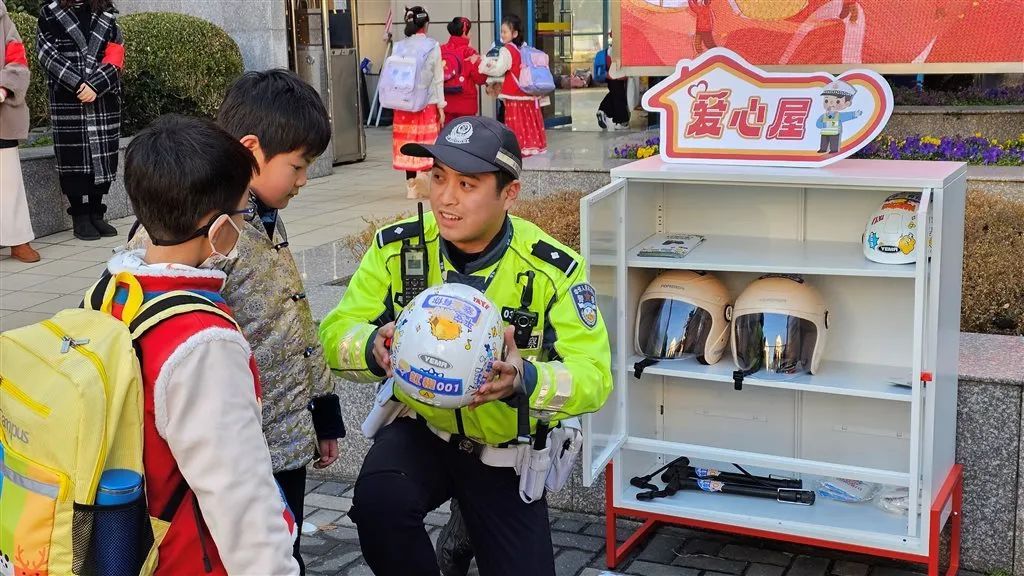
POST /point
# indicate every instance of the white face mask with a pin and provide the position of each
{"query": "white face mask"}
(218, 261)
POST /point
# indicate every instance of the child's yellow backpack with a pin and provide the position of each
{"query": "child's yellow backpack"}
(71, 408)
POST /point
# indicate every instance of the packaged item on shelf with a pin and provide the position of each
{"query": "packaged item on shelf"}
(670, 245)
(779, 328)
(895, 500)
(845, 490)
(683, 314)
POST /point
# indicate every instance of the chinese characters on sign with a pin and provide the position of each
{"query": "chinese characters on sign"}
(720, 109)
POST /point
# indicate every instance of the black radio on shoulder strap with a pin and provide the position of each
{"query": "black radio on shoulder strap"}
(414, 264)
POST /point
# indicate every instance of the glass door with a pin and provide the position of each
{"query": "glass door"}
(602, 232)
(552, 32)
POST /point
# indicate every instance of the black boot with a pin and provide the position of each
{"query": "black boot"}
(82, 222)
(96, 212)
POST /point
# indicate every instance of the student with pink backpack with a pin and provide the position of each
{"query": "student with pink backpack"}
(412, 84)
(527, 79)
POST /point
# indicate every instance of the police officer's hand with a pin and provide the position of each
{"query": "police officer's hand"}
(381, 345)
(505, 377)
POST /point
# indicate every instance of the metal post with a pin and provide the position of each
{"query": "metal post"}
(529, 22)
(606, 23)
(498, 15)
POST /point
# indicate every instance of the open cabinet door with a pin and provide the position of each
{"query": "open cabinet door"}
(602, 243)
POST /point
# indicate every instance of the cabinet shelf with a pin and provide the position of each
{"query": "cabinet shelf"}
(771, 255)
(862, 523)
(778, 465)
(841, 378)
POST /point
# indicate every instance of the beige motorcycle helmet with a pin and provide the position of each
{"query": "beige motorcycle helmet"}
(779, 328)
(683, 314)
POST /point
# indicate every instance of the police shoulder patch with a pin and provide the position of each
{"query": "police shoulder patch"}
(584, 297)
(555, 256)
(396, 232)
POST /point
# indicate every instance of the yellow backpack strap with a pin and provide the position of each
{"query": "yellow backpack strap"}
(101, 296)
(94, 296)
(169, 305)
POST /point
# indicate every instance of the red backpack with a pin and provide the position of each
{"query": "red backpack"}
(451, 57)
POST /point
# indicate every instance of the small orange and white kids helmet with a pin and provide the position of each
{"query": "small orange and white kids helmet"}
(684, 314)
(891, 235)
(779, 328)
(445, 342)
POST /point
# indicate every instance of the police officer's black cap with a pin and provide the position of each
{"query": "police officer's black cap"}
(473, 145)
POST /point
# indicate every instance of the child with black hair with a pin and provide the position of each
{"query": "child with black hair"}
(522, 111)
(283, 122)
(206, 463)
(461, 72)
(421, 126)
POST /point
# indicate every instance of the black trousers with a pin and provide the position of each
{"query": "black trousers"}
(409, 472)
(293, 484)
(76, 186)
(615, 104)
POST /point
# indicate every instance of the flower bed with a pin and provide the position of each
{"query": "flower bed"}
(1001, 96)
(637, 150)
(973, 149)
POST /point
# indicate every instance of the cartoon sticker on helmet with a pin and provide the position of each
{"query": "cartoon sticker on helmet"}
(444, 327)
(457, 309)
(585, 298)
(428, 379)
(907, 244)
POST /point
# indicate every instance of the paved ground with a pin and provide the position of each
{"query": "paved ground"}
(579, 545)
(331, 208)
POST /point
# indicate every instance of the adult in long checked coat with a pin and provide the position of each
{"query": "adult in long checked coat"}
(80, 47)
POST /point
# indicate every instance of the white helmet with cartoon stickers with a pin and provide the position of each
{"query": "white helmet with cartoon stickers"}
(445, 342)
(891, 235)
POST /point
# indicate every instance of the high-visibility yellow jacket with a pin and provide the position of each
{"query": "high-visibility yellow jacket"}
(567, 363)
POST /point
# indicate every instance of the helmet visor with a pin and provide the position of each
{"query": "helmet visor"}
(672, 329)
(775, 346)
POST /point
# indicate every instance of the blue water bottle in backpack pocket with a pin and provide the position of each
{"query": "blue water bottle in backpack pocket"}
(116, 536)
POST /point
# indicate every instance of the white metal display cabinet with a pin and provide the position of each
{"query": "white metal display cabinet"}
(886, 322)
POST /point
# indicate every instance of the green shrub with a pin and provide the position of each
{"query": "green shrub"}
(38, 103)
(174, 63)
(26, 6)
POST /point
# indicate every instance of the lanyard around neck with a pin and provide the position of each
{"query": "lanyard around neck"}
(444, 272)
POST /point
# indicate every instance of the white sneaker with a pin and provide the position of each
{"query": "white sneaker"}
(602, 120)
(621, 126)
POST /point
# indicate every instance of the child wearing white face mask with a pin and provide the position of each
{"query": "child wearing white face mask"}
(187, 181)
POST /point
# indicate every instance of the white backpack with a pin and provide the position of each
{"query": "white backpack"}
(405, 79)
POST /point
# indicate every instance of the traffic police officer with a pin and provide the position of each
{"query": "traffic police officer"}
(557, 359)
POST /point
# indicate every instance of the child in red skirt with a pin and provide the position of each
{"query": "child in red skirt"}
(522, 111)
(423, 126)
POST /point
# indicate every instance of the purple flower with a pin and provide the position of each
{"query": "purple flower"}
(991, 156)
